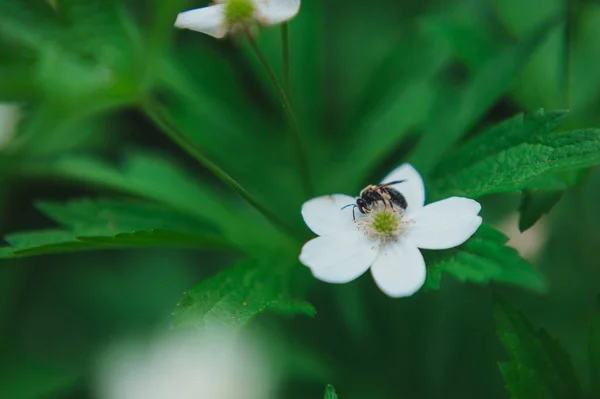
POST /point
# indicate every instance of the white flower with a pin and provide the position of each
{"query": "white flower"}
(234, 15)
(9, 119)
(386, 239)
(185, 366)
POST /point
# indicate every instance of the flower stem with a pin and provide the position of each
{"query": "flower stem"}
(154, 112)
(285, 58)
(290, 116)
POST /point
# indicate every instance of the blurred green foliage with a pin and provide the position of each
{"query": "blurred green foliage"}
(373, 84)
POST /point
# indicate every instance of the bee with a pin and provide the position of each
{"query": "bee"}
(371, 195)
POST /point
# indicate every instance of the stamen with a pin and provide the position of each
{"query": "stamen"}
(383, 224)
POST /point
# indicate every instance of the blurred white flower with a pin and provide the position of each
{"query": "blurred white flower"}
(235, 16)
(186, 366)
(9, 118)
(387, 238)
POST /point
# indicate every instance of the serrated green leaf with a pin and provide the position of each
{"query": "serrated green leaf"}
(330, 393)
(534, 205)
(594, 350)
(542, 191)
(500, 137)
(456, 113)
(104, 224)
(46, 242)
(539, 367)
(86, 217)
(43, 241)
(235, 296)
(484, 259)
(158, 179)
(559, 181)
(516, 168)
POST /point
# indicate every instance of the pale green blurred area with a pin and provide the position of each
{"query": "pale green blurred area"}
(368, 78)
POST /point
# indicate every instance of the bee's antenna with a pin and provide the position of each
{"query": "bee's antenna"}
(354, 205)
(394, 182)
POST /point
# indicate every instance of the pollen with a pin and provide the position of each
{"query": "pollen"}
(239, 11)
(383, 224)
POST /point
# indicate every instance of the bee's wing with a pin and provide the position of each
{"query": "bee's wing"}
(413, 188)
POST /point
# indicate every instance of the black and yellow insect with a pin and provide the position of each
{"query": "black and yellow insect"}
(383, 193)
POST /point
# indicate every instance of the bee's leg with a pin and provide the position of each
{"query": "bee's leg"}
(387, 201)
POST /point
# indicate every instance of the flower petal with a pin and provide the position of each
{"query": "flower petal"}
(209, 20)
(445, 224)
(399, 269)
(339, 258)
(413, 188)
(273, 12)
(324, 215)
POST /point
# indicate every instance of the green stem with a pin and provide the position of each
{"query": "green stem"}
(153, 111)
(285, 58)
(290, 116)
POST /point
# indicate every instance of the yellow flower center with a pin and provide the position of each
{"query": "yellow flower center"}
(239, 11)
(383, 224)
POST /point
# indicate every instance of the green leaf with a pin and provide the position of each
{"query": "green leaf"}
(235, 296)
(534, 204)
(457, 112)
(87, 217)
(501, 137)
(483, 259)
(539, 367)
(516, 137)
(594, 350)
(42, 242)
(101, 224)
(516, 168)
(157, 178)
(330, 393)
